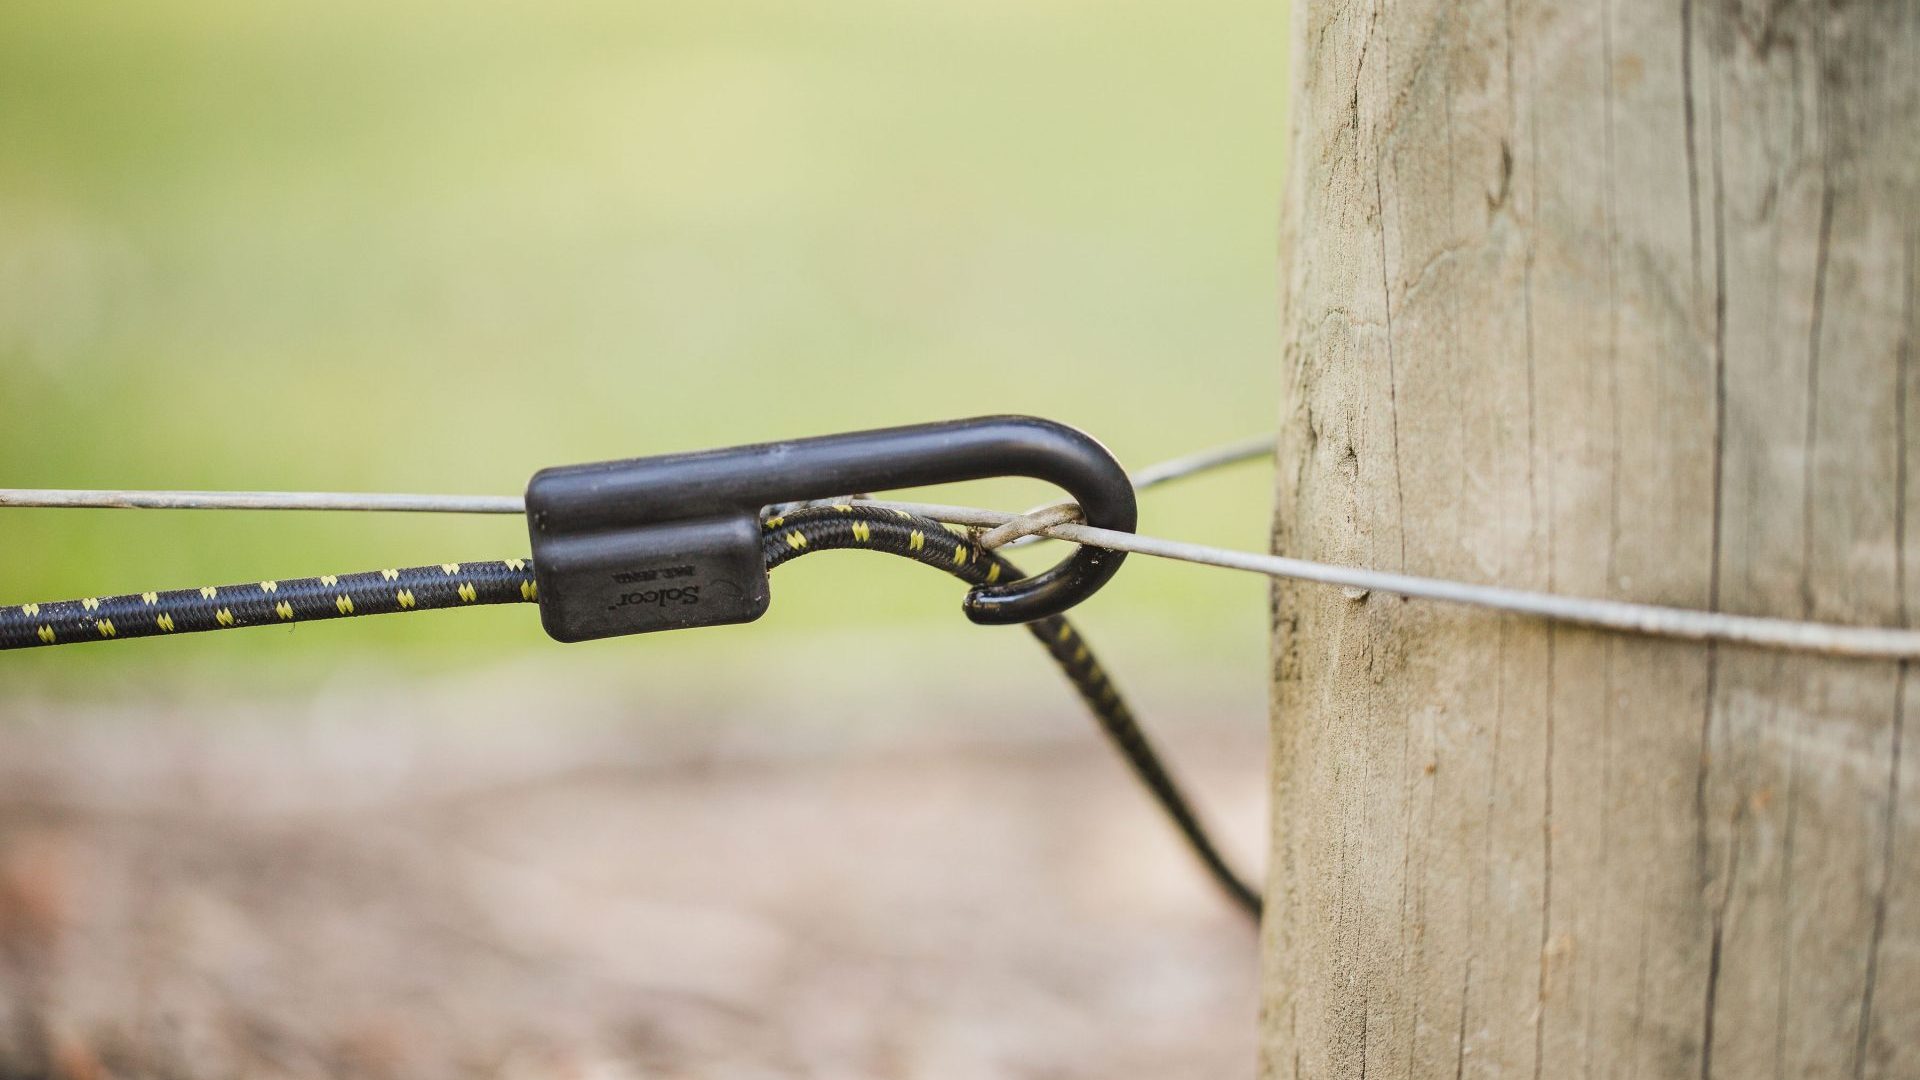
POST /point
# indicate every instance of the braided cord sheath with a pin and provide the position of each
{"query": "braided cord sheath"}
(451, 585)
(925, 540)
(267, 603)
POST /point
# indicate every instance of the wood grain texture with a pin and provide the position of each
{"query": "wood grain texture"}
(1615, 299)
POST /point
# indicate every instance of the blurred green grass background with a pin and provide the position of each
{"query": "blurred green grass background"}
(435, 247)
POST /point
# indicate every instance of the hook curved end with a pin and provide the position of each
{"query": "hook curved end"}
(1082, 466)
(1042, 595)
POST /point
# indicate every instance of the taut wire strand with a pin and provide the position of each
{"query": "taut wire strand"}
(1214, 457)
(1057, 522)
(1650, 619)
(262, 500)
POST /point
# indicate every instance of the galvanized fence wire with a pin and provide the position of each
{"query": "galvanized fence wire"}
(1625, 616)
(83, 499)
(1060, 522)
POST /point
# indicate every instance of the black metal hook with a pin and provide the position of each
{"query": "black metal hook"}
(659, 543)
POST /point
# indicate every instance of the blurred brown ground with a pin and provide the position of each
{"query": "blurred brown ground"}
(422, 881)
